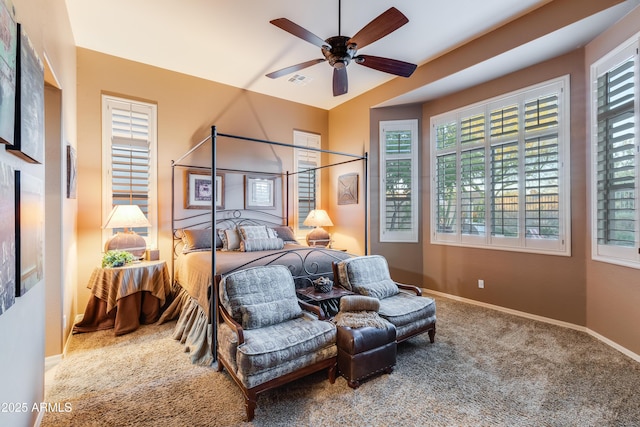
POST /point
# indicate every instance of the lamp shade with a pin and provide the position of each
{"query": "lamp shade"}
(318, 218)
(126, 216)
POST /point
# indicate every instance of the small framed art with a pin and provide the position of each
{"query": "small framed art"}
(348, 189)
(260, 192)
(199, 190)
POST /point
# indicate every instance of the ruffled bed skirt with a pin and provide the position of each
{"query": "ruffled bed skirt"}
(192, 329)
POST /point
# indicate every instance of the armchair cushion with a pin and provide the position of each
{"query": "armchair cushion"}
(256, 316)
(248, 294)
(367, 275)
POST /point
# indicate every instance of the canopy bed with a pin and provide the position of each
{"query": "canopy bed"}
(235, 239)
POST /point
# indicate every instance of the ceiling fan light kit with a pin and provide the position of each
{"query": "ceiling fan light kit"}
(340, 50)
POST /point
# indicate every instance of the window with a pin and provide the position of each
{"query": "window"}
(307, 178)
(615, 170)
(129, 160)
(501, 172)
(399, 181)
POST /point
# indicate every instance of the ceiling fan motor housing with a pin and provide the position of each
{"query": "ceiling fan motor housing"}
(341, 52)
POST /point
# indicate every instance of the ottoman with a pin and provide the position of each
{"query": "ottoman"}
(365, 351)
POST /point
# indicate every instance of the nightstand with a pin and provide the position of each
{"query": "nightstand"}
(329, 302)
(122, 298)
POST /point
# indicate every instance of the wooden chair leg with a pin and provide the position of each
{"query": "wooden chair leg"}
(432, 335)
(332, 373)
(250, 402)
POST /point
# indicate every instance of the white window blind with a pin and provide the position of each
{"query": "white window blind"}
(615, 167)
(501, 177)
(130, 150)
(307, 178)
(399, 181)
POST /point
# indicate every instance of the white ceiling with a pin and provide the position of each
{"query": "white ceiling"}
(232, 42)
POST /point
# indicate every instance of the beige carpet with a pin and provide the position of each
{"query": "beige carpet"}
(486, 368)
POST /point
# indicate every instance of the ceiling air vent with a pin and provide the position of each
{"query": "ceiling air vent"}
(300, 80)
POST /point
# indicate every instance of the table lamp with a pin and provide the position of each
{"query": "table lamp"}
(127, 217)
(318, 218)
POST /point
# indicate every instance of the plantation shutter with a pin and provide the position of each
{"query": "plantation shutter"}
(616, 156)
(399, 181)
(307, 184)
(504, 191)
(130, 157)
(472, 191)
(307, 178)
(541, 168)
(447, 188)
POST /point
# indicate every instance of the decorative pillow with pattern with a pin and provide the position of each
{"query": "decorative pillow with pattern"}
(256, 285)
(367, 275)
(253, 232)
(230, 239)
(256, 316)
(253, 245)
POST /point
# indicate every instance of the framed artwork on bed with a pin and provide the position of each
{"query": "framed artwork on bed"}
(259, 192)
(199, 190)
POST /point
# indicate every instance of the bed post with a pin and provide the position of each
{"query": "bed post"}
(365, 201)
(286, 215)
(213, 300)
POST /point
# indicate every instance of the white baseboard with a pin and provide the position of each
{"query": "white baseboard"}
(594, 334)
(51, 361)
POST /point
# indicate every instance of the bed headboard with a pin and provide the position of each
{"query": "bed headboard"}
(225, 219)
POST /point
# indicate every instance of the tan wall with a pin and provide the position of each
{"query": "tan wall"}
(600, 296)
(23, 330)
(549, 286)
(187, 108)
(613, 292)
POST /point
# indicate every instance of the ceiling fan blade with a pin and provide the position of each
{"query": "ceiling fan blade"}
(391, 66)
(384, 24)
(298, 31)
(292, 68)
(340, 81)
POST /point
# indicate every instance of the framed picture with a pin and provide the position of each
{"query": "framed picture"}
(29, 124)
(71, 172)
(8, 67)
(199, 190)
(29, 231)
(348, 189)
(259, 192)
(7, 238)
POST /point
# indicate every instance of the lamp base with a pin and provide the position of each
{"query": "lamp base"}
(130, 242)
(318, 237)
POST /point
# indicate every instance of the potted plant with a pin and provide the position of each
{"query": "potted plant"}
(116, 258)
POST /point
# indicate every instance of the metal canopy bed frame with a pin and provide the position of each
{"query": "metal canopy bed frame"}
(210, 218)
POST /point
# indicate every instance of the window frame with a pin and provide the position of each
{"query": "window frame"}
(312, 140)
(491, 141)
(109, 102)
(413, 233)
(628, 256)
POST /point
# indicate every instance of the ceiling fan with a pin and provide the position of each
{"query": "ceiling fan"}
(340, 50)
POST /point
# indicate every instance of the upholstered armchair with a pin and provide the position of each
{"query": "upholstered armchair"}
(400, 304)
(265, 338)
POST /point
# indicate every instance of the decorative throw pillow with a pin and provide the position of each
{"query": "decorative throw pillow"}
(256, 316)
(286, 234)
(252, 245)
(230, 239)
(196, 240)
(253, 232)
